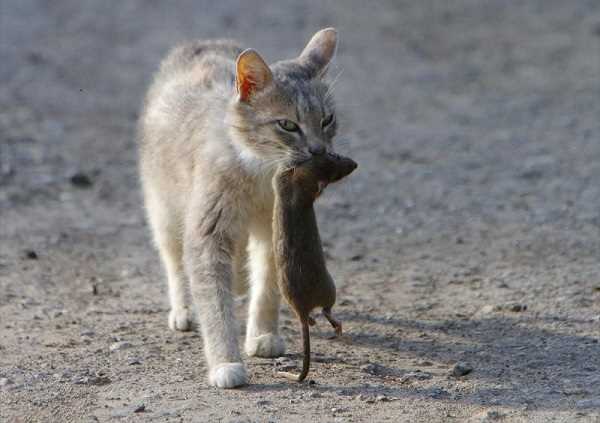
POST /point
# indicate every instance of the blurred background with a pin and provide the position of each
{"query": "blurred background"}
(475, 124)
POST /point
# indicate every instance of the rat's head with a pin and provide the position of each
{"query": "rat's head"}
(326, 168)
(285, 112)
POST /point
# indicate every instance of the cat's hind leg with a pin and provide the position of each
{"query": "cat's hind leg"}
(169, 243)
(262, 336)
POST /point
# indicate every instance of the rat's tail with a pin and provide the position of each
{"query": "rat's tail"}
(306, 360)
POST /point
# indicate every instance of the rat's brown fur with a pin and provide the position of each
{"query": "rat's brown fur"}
(301, 271)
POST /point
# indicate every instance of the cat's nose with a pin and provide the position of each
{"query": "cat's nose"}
(317, 150)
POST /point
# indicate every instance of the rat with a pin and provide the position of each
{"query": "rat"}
(302, 275)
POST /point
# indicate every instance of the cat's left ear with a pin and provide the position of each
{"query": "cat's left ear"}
(319, 51)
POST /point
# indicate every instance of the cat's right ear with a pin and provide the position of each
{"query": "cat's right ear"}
(252, 74)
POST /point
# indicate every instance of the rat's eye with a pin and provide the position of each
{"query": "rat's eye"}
(327, 120)
(288, 125)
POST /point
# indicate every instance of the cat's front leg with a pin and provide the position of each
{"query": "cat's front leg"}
(262, 333)
(208, 251)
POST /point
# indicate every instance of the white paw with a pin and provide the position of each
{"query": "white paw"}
(180, 319)
(268, 345)
(228, 375)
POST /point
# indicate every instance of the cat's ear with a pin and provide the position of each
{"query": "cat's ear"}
(319, 51)
(252, 74)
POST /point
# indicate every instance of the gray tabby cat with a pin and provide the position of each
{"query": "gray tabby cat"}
(216, 123)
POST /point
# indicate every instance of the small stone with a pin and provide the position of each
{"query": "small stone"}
(134, 361)
(492, 415)
(461, 369)
(139, 408)
(344, 392)
(356, 257)
(118, 346)
(516, 307)
(381, 398)
(87, 333)
(80, 180)
(263, 403)
(84, 380)
(373, 369)
(5, 382)
(487, 309)
(314, 394)
(439, 393)
(30, 254)
(284, 364)
(416, 375)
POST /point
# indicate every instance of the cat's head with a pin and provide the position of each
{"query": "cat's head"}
(285, 111)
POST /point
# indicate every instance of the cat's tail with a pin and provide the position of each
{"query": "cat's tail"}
(306, 360)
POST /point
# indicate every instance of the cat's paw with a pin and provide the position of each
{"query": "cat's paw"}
(228, 375)
(267, 346)
(180, 319)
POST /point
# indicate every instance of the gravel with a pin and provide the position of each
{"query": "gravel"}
(470, 232)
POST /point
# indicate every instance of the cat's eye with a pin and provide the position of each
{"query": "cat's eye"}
(288, 125)
(327, 120)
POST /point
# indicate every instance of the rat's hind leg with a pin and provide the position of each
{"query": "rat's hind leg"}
(262, 336)
(337, 325)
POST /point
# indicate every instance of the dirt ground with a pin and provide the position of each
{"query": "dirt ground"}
(470, 233)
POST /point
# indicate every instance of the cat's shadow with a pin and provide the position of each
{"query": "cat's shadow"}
(514, 362)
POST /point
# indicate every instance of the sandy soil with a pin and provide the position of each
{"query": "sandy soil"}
(470, 233)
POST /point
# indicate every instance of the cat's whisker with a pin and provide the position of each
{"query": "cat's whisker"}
(333, 82)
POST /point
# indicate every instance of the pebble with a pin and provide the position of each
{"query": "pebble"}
(121, 345)
(98, 380)
(492, 415)
(263, 403)
(438, 393)
(461, 369)
(513, 307)
(284, 364)
(5, 382)
(417, 375)
(81, 180)
(373, 369)
(30, 254)
(139, 408)
(381, 398)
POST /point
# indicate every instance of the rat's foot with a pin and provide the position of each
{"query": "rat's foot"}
(228, 375)
(180, 319)
(337, 326)
(267, 346)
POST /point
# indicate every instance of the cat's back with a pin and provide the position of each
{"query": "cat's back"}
(203, 62)
(194, 79)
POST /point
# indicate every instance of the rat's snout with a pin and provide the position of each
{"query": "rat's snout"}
(344, 166)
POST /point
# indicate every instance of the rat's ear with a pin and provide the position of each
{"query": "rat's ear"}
(319, 51)
(252, 74)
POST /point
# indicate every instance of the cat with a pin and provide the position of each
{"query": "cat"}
(216, 123)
